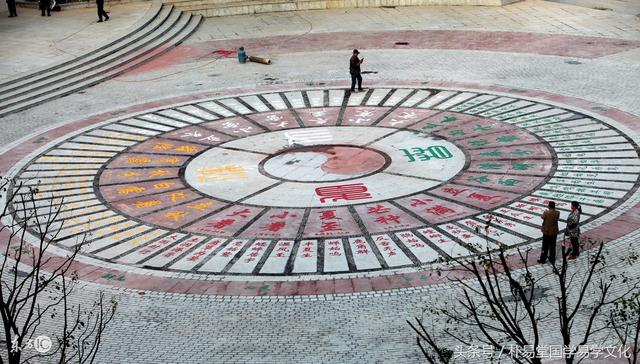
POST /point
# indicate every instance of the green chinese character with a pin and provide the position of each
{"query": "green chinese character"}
(507, 139)
(429, 126)
(457, 132)
(495, 153)
(490, 166)
(482, 128)
(479, 143)
(448, 119)
(481, 179)
(521, 166)
(521, 152)
(509, 182)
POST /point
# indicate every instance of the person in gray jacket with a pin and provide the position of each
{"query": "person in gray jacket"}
(573, 229)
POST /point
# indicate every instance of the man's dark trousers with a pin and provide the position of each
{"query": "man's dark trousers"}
(44, 7)
(11, 4)
(354, 77)
(101, 11)
(548, 248)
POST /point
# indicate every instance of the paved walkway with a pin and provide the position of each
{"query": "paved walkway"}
(557, 76)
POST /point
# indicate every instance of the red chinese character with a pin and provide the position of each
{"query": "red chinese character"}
(386, 219)
(416, 201)
(244, 213)
(453, 191)
(329, 226)
(377, 209)
(439, 210)
(480, 197)
(274, 226)
(363, 251)
(328, 215)
(356, 191)
(221, 224)
(283, 215)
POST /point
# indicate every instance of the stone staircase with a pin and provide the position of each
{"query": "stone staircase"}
(166, 28)
(212, 8)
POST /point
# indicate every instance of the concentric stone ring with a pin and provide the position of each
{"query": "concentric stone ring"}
(325, 183)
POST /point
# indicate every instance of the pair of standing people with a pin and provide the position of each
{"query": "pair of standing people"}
(550, 231)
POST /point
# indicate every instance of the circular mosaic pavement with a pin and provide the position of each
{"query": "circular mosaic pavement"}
(325, 182)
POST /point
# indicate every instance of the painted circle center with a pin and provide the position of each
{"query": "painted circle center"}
(324, 163)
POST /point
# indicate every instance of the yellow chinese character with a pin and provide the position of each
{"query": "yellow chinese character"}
(138, 160)
(158, 173)
(129, 174)
(163, 185)
(175, 215)
(163, 146)
(150, 203)
(230, 172)
(132, 189)
(170, 160)
(201, 206)
(186, 149)
(177, 195)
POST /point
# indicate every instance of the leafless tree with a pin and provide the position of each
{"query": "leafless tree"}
(505, 306)
(36, 286)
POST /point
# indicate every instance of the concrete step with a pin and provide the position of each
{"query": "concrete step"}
(154, 12)
(174, 31)
(212, 8)
(164, 31)
(100, 56)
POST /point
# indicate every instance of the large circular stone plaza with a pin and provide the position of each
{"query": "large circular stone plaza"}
(266, 213)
